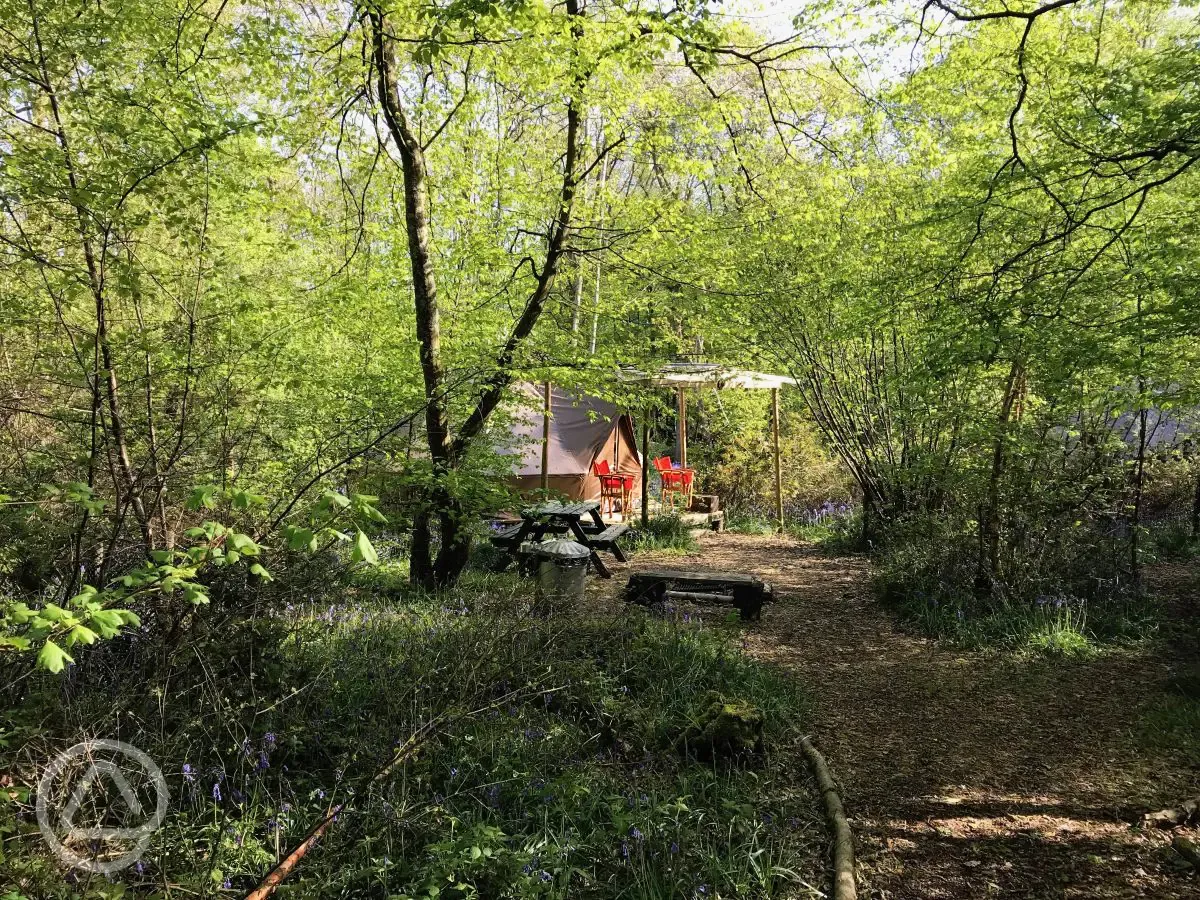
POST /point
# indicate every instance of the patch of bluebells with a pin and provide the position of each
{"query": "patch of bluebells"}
(1056, 601)
(827, 513)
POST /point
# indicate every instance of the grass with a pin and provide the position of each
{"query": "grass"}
(750, 525)
(1173, 721)
(549, 766)
(1053, 626)
(667, 533)
(1174, 541)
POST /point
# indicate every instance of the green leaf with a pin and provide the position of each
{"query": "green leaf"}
(203, 497)
(257, 569)
(243, 544)
(300, 539)
(53, 658)
(86, 594)
(81, 634)
(364, 551)
(245, 500)
(108, 621)
(195, 595)
(20, 613)
(333, 498)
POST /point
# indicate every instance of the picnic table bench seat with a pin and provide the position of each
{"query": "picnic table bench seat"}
(607, 540)
(746, 592)
(505, 537)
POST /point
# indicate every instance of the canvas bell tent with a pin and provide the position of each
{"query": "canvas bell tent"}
(581, 431)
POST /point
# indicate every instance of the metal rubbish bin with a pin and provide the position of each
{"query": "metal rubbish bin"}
(561, 572)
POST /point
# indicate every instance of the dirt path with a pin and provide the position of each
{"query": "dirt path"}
(967, 774)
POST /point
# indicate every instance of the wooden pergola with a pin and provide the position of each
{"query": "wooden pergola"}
(684, 375)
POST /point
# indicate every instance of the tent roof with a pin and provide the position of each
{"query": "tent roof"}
(684, 374)
(579, 427)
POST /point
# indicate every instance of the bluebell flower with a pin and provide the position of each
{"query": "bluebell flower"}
(216, 792)
(636, 833)
(624, 850)
(545, 876)
(227, 884)
(188, 773)
(674, 847)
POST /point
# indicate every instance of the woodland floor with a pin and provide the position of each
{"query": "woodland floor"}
(970, 774)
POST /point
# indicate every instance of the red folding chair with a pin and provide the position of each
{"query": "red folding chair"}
(613, 486)
(676, 482)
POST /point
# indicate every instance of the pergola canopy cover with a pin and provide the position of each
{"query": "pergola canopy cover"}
(685, 374)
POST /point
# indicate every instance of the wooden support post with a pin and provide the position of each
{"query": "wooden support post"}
(646, 468)
(778, 467)
(546, 440)
(683, 426)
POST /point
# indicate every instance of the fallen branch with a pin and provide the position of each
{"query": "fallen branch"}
(276, 876)
(843, 840)
(1186, 813)
(403, 754)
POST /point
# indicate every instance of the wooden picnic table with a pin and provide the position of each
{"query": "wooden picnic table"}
(582, 520)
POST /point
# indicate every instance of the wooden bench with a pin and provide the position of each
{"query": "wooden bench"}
(607, 540)
(745, 592)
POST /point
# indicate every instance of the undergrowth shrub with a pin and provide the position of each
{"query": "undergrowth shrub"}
(1173, 541)
(836, 527)
(546, 764)
(669, 533)
(1066, 601)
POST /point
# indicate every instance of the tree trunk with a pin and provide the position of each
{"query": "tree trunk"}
(425, 298)
(445, 454)
(1196, 507)
(97, 287)
(988, 570)
(1139, 477)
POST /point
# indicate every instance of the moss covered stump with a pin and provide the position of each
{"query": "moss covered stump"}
(727, 730)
